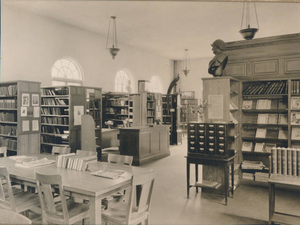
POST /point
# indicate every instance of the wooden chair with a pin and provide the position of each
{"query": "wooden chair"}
(66, 212)
(10, 217)
(120, 159)
(86, 153)
(56, 150)
(130, 212)
(18, 202)
(3, 150)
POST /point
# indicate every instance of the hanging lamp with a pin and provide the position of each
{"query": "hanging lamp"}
(186, 63)
(248, 32)
(114, 43)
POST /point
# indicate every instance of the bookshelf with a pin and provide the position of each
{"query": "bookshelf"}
(94, 108)
(61, 110)
(20, 117)
(265, 114)
(171, 116)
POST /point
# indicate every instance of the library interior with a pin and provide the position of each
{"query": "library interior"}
(155, 112)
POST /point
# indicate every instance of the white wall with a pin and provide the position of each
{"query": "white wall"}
(31, 44)
(193, 82)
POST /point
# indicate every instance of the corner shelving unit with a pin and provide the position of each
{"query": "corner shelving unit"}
(20, 116)
(61, 112)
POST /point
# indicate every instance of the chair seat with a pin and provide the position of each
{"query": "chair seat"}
(74, 208)
(117, 213)
(26, 200)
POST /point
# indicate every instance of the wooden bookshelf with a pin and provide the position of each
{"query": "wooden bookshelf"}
(61, 112)
(20, 116)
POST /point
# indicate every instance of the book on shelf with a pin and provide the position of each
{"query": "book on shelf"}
(259, 147)
(262, 118)
(268, 147)
(261, 133)
(274, 160)
(284, 165)
(279, 162)
(282, 134)
(289, 162)
(282, 119)
(295, 102)
(295, 133)
(282, 104)
(295, 118)
(232, 106)
(254, 165)
(247, 146)
(247, 104)
(273, 119)
(263, 104)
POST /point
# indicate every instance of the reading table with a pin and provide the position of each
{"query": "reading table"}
(78, 183)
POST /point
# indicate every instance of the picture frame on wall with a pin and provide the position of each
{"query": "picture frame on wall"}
(35, 99)
(25, 99)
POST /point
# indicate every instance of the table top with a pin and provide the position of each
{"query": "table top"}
(211, 158)
(74, 180)
(284, 179)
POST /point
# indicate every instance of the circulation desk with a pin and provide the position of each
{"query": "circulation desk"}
(145, 143)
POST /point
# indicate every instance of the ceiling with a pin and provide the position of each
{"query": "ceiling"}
(168, 27)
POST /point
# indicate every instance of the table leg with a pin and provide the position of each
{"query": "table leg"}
(232, 179)
(196, 174)
(95, 210)
(271, 201)
(188, 177)
(226, 178)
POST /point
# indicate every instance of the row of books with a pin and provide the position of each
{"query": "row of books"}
(258, 147)
(94, 104)
(55, 101)
(266, 118)
(74, 161)
(54, 111)
(54, 130)
(264, 104)
(295, 87)
(8, 130)
(295, 102)
(57, 91)
(10, 90)
(8, 103)
(262, 133)
(10, 143)
(7, 116)
(252, 165)
(263, 88)
(64, 140)
(55, 120)
(285, 161)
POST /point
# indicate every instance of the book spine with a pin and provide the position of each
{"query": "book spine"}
(274, 160)
(298, 162)
(289, 161)
(284, 161)
(279, 168)
(294, 159)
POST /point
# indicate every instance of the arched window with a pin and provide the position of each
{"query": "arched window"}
(124, 82)
(156, 84)
(66, 71)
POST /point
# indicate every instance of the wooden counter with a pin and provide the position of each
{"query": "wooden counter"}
(145, 143)
(110, 138)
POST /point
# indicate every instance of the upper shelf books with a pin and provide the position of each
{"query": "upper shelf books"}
(266, 88)
(263, 104)
(247, 104)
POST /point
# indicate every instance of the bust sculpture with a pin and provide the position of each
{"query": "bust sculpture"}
(218, 63)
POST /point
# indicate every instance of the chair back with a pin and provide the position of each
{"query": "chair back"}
(46, 185)
(141, 192)
(7, 200)
(3, 150)
(86, 153)
(120, 159)
(56, 150)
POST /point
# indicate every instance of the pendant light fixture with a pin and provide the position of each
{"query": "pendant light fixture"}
(112, 34)
(248, 32)
(186, 63)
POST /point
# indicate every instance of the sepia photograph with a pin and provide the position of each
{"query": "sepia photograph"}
(160, 112)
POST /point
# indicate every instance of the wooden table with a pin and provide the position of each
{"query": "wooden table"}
(83, 184)
(278, 216)
(210, 161)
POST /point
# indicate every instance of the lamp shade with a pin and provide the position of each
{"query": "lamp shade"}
(114, 51)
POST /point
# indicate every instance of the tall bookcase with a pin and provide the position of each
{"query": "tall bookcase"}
(20, 116)
(265, 113)
(117, 107)
(94, 108)
(61, 110)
